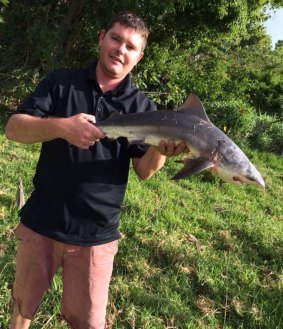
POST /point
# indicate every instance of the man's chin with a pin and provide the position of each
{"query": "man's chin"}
(115, 72)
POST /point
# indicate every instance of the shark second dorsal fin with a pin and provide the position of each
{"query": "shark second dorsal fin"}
(194, 106)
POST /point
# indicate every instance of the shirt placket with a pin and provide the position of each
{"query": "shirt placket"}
(99, 108)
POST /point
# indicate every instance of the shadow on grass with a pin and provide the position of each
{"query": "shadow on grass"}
(6, 200)
(5, 114)
(259, 253)
(259, 306)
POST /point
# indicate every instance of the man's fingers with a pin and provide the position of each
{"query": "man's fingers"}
(170, 148)
(181, 147)
(98, 132)
(90, 118)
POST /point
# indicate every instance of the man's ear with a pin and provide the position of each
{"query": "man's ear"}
(101, 36)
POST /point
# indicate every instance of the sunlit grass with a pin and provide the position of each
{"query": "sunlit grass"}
(195, 253)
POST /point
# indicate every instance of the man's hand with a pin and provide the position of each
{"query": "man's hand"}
(81, 131)
(171, 148)
(78, 130)
(155, 157)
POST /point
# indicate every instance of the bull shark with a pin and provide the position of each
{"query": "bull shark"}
(209, 147)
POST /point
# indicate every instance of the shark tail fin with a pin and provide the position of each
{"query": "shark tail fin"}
(192, 166)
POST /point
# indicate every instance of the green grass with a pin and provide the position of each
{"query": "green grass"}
(195, 253)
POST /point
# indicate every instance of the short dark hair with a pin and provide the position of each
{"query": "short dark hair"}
(130, 20)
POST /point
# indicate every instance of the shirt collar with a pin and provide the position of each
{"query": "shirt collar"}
(124, 86)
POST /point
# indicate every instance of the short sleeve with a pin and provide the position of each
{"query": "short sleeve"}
(41, 102)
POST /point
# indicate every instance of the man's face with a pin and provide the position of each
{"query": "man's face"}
(120, 50)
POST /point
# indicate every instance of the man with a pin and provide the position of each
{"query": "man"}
(71, 217)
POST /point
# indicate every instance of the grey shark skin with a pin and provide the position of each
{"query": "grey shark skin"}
(209, 148)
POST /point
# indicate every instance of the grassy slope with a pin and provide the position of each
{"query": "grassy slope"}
(194, 254)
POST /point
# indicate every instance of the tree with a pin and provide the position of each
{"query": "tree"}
(218, 49)
(56, 33)
(2, 2)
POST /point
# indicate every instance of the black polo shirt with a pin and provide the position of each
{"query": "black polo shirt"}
(78, 193)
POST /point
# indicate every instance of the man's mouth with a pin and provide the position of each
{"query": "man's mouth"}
(116, 59)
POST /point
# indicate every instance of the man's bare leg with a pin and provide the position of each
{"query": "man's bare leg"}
(17, 320)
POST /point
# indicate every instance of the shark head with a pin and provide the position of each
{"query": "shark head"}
(233, 166)
(215, 151)
(240, 175)
(241, 172)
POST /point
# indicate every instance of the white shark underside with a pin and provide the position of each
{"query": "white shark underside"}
(209, 148)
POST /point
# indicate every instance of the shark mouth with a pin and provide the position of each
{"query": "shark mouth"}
(238, 180)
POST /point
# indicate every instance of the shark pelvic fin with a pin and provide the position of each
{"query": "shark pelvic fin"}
(193, 106)
(192, 166)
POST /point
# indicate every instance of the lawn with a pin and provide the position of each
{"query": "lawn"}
(195, 253)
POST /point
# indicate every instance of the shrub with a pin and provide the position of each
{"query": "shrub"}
(234, 117)
(267, 134)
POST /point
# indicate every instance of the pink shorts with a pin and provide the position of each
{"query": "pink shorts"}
(86, 276)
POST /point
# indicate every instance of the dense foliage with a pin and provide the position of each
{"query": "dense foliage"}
(219, 50)
(197, 253)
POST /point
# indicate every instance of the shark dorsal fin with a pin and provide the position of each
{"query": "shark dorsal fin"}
(194, 106)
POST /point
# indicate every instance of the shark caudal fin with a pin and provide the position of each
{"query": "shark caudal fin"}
(194, 106)
(191, 167)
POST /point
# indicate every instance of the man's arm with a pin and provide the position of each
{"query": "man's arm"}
(155, 157)
(78, 130)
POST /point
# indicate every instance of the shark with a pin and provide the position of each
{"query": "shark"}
(209, 147)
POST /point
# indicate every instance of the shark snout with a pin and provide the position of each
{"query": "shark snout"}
(257, 180)
(252, 180)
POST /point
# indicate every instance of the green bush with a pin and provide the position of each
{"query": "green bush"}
(236, 118)
(242, 124)
(267, 134)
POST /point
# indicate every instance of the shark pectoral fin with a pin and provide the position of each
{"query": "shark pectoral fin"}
(193, 166)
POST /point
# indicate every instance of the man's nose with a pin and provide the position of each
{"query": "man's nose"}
(121, 48)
